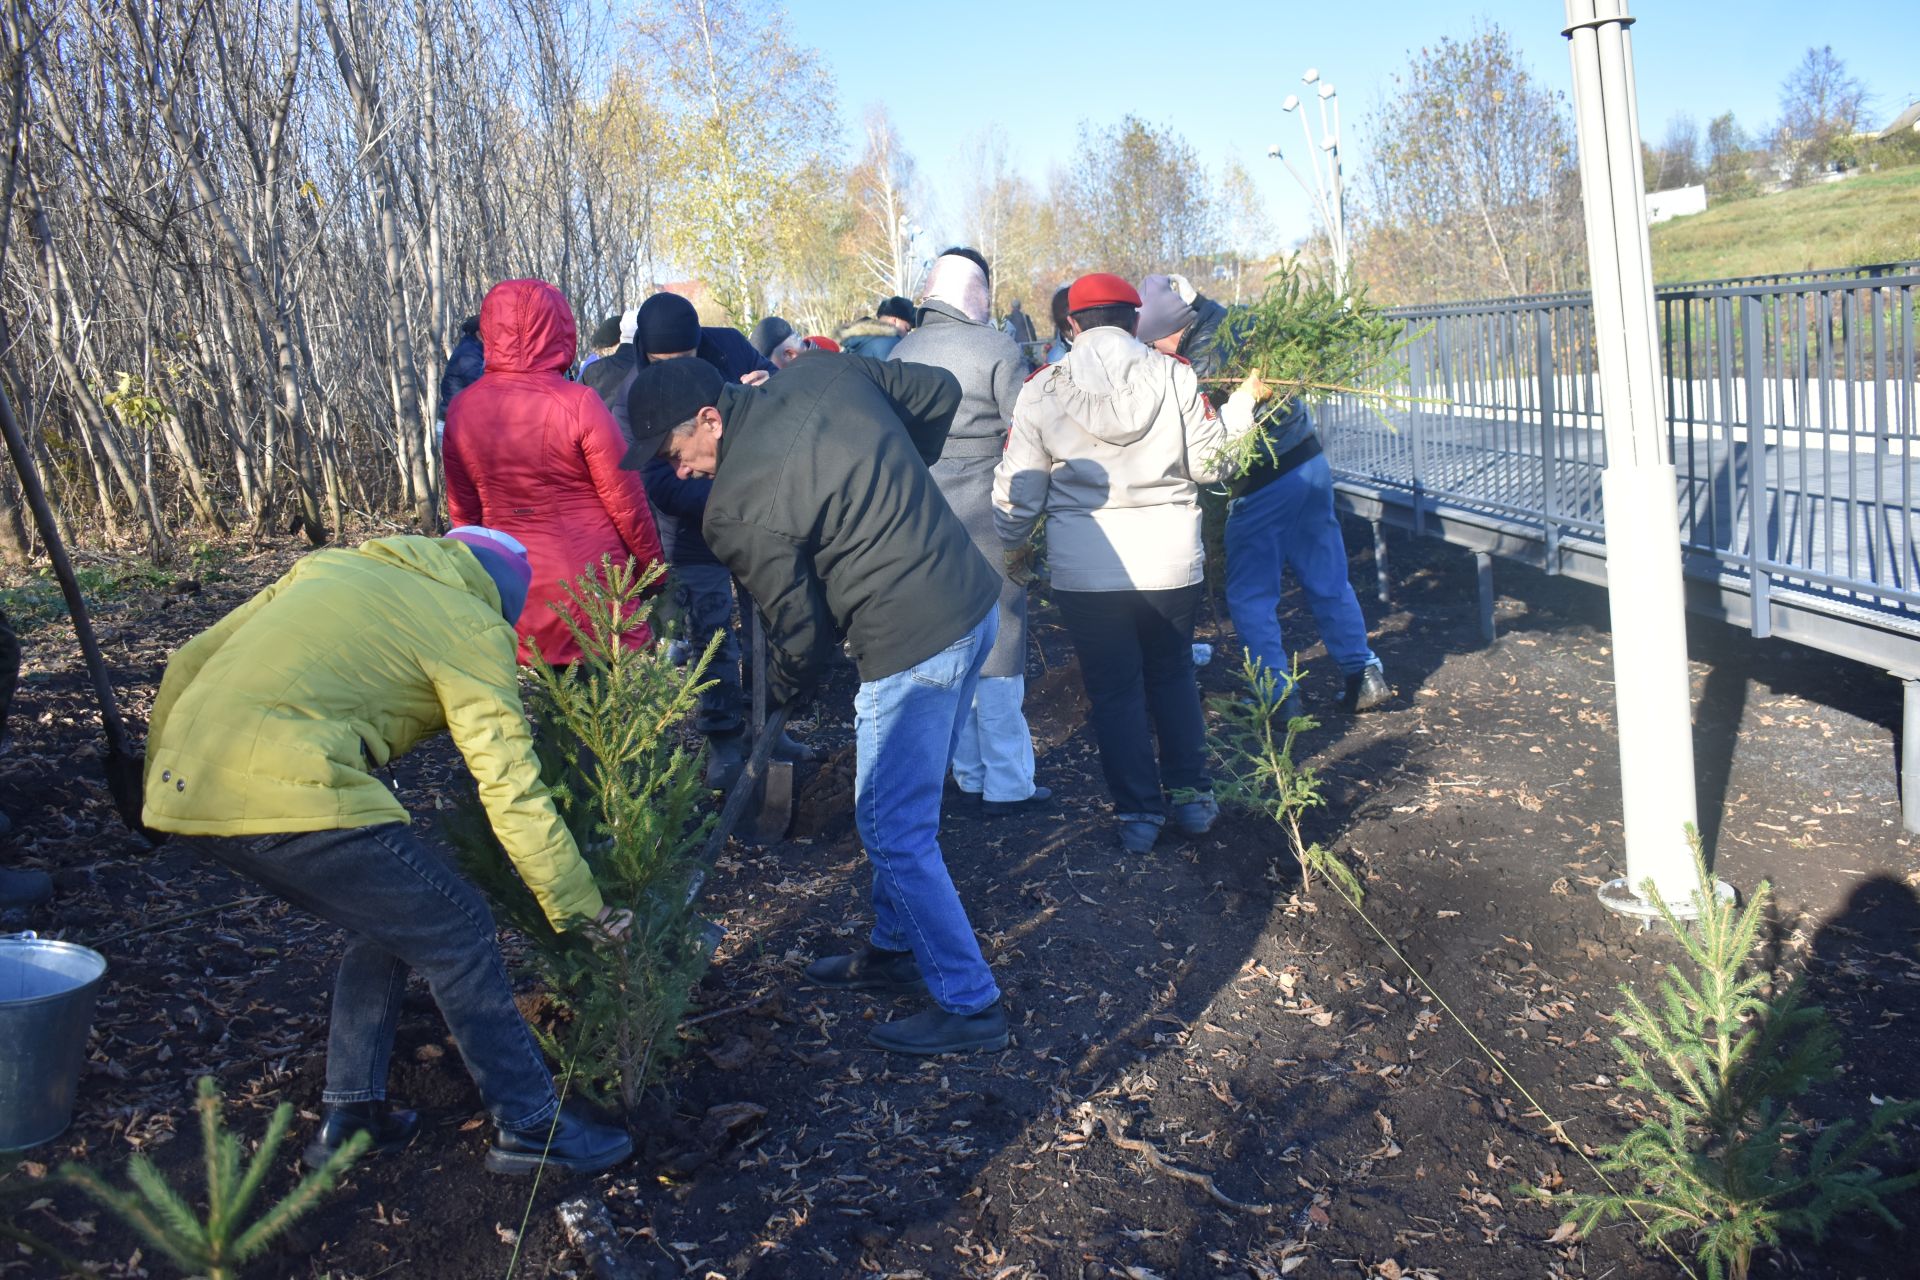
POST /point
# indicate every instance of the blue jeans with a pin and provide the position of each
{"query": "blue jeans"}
(403, 907)
(1291, 522)
(906, 726)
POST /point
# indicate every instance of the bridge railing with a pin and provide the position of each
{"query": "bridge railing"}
(1792, 408)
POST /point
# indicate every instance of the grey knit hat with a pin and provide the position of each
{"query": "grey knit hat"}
(1162, 310)
(769, 334)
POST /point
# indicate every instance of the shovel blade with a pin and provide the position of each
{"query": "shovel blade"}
(774, 813)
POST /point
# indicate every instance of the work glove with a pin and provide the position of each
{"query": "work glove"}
(1020, 563)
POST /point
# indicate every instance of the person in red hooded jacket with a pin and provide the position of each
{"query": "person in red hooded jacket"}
(537, 456)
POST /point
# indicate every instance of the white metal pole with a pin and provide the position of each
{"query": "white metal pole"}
(1651, 689)
(1341, 258)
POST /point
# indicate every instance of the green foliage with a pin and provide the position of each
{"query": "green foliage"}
(1308, 339)
(1261, 774)
(609, 750)
(1721, 1053)
(39, 598)
(1865, 218)
(217, 1244)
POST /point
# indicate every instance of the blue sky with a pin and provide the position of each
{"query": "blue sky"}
(1216, 71)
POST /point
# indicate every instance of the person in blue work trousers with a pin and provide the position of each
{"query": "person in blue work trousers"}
(1281, 512)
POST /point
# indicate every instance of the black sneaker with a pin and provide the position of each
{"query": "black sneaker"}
(571, 1143)
(1367, 690)
(392, 1129)
(1006, 808)
(868, 969)
(934, 1031)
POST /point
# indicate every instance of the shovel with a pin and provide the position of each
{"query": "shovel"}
(124, 766)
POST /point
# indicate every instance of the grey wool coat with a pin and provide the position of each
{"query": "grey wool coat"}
(988, 365)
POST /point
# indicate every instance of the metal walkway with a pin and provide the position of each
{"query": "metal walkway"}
(1791, 410)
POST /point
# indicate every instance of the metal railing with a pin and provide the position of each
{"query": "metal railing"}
(1791, 407)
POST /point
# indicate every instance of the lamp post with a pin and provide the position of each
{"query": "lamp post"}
(1326, 190)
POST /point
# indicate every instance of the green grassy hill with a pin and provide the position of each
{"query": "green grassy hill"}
(1872, 217)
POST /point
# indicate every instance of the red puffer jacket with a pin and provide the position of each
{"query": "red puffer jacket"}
(537, 456)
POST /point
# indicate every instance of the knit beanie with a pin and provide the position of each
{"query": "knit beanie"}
(769, 334)
(1163, 312)
(668, 325)
(504, 559)
(607, 335)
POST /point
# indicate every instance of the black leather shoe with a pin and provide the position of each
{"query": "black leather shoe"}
(1367, 690)
(573, 1143)
(868, 969)
(392, 1129)
(1006, 808)
(934, 1031)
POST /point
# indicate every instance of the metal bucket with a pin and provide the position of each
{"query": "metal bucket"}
(46, 1010)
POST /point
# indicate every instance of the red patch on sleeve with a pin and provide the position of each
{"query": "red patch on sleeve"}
(1036, 373)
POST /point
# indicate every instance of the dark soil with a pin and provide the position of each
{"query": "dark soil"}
(1191, 999)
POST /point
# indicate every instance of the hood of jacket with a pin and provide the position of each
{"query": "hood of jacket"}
(868, 327)
(527, 327)
(1098, 386)
(447, 563)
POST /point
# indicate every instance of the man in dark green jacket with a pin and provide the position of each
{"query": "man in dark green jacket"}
(823, 507)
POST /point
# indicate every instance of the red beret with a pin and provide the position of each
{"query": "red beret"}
(821, 343)
(1101, 289)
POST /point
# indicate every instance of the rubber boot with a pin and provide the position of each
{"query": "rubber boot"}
(726, 757)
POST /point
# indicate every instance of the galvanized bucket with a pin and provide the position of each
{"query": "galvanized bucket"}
(46, 1010)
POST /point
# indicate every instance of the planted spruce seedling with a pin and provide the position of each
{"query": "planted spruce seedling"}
(1255, 743)
(609, 744)
(1721, 1161)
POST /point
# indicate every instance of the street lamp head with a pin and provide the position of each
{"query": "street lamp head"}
(1326, 90)
(1273, 152)
(1311, 75)
(1291, 103)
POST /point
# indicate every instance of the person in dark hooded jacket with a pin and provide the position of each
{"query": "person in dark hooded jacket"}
(465, 364)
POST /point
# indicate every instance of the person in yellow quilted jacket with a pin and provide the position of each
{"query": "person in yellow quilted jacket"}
(260, 754)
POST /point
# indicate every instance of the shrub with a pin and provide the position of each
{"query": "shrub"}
(215, 1246)
(1721, 1053)
(1260, 773)
(608, 741)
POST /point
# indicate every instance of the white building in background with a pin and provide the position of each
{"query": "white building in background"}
(1675, 202)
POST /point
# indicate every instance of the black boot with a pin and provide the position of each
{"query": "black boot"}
(572, 1143)
(1367, 690)
(392, 1129)
(934, 1031)
(726, 757)
(868, 969)
(793, 751)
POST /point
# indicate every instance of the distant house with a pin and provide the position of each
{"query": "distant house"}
(1675, 202)
(1907, 121)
